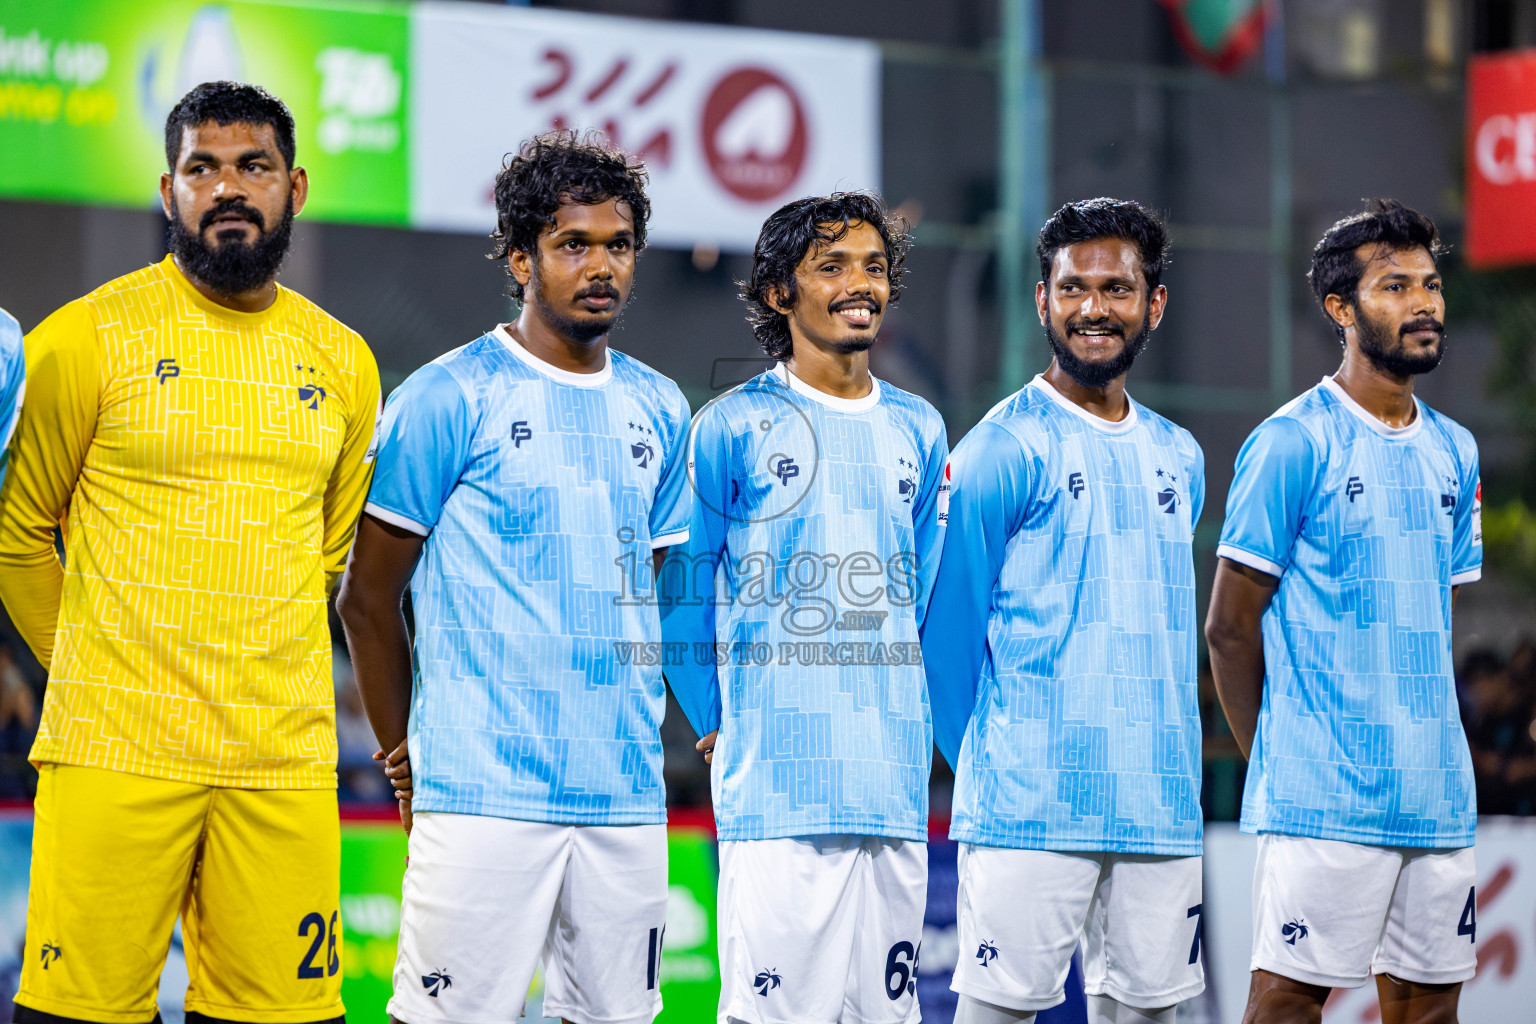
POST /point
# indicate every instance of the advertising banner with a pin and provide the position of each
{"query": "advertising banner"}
(1501, 159)
(85, 88)
(405, 111)
(732, 124)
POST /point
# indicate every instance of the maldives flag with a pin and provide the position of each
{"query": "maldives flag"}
(1221, 34)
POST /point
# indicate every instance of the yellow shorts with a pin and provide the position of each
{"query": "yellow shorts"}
(254, 875)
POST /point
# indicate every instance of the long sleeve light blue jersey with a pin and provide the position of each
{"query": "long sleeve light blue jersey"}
(791, 614)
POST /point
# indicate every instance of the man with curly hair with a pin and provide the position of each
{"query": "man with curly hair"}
(818, 514)
(524, 482)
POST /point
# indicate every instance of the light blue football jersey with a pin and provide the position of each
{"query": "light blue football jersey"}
(13, 380)
(541, 493)
(1060, 641)
(793, 609)
(1367, 527)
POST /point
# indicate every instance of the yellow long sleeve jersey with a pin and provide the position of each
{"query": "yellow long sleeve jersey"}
(207, 468)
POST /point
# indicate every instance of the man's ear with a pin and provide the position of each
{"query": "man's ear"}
(521, 265)
(1340, 310)
(777, 296)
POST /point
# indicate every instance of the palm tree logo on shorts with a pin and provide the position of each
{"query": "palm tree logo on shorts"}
(1293, 930)
(436, 982)
(766, 980)
(986, 953)
(50, 954)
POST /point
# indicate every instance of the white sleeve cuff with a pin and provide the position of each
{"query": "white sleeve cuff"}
(396, 519)
(1252, 561)
(1469, 576)
(668, 540)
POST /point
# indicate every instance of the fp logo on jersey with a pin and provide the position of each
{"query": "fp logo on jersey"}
(520, 433)
(1075, 484)
(1353, 488)
(167, 368)
(783, 467)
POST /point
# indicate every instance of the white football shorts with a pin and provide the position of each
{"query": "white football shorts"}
(1021, 913)
(1333, 913)
(486, 898)
(821, 929)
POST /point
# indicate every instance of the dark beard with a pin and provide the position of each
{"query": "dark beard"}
(1097, 375)
(1375, 338)
(576, 329)
(235, 267)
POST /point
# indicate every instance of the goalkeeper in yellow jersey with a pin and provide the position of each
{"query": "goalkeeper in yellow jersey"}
(200, 435)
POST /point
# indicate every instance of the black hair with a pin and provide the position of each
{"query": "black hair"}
(791, 232)
(561, 167)
(228, 103)
(1089, 220)
(1336, 270)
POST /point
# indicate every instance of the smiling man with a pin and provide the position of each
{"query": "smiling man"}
(200, 433)
(525, 482)
(1354, 515)
(1060, 646)
(818, 510)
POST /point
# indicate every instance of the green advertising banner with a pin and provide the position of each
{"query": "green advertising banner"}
(85, 87)
(373, 866)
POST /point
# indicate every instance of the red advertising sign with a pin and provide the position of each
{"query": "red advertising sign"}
(1501, 159)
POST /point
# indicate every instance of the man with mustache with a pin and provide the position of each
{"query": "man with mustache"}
(1060, 647)
(526, 483)
(1354, 516)
(200, 434)
(819, 512)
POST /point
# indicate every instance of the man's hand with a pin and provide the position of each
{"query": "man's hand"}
(397, 769)
(706, 746)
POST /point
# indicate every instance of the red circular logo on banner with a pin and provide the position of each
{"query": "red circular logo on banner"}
(754, 134)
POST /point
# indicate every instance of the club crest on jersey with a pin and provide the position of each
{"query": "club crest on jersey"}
(311, 392)
(1293, 930)
(1353, 488)
(783, 467)
(520, 433)
(438, 981)
(167, 368)
(907, 487)
(766, 980)
(1075, 484)
(1168, 498)
(986, 953)
(641, 446)
(50, 953)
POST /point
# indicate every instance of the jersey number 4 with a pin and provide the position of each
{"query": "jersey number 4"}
(1468, 924)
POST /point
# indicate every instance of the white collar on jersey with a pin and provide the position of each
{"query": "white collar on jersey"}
(1391, 433)
(1098, 422)
(553, 372)
(800, 387)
